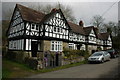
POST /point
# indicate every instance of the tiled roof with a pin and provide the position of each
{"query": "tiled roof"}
(103, 36)
(38, 17)
(30, 14)
(87, 30)
(96, 30)
(76, 28)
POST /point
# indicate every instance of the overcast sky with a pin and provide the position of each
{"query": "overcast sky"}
(82, 9)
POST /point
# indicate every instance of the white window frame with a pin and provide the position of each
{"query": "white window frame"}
(56, 46)
(71, 45)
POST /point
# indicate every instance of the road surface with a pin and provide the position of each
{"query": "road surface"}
(108, 69)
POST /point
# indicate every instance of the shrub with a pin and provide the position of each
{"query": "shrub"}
(75, 53)
(10, 55)
(18, 56)
(86, 55)
(31, 62)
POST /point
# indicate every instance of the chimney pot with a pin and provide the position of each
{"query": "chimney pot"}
(81, 23)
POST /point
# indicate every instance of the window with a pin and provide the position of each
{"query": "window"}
(52, 47)
(33, 26)
(54, 29)
(71, 45)
(61, 30)
(14, 44)
(56, 46)
(37, 27)
(91, 37)
(58, 29)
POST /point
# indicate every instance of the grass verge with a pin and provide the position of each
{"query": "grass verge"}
(62, 67)
(16, 70)
(12, 69)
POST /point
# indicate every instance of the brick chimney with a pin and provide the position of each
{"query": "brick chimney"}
(81, 23)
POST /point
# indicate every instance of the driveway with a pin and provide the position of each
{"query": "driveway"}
(108, 69)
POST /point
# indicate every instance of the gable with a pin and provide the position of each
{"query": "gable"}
(92, 33)
(57, 19)
(16, 24)
(109, 38)
(87, 30)
(56, 25)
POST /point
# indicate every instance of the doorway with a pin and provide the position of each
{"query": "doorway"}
(57, 59)
(34, 48)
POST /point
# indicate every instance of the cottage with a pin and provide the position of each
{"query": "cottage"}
(37, 33)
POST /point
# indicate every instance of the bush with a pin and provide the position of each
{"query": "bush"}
(31, 62)
(18, 56)
(75, 53)
(86, 55)
(10, 55)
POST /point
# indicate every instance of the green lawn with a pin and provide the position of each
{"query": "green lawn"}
(12, 69)
(16, 70)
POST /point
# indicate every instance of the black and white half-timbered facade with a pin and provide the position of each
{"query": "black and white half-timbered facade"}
(91, 38)
(16, 31)
(35, 32)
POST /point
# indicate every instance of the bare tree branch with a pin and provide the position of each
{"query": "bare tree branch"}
(98, 20)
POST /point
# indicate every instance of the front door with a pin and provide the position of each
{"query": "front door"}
(34, 48)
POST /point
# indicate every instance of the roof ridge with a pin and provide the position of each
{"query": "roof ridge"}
(30, 14)
(19, 5)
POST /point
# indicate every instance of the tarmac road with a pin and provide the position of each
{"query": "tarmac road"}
(107, 69)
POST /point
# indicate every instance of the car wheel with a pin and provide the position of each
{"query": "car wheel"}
(89, 62)
(102, 60)
(109, 59)
(115, 56)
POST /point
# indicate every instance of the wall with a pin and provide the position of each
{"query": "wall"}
(65, 45)
(46, 45)
(91, 47)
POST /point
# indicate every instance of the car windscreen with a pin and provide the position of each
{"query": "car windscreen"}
(97, 54)
(110, 50)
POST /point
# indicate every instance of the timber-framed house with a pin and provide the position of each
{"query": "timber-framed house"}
(38, 33)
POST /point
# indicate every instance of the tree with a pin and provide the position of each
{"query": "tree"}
(112, 28)
(119, 29)
(67, 11)
(98, 21)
